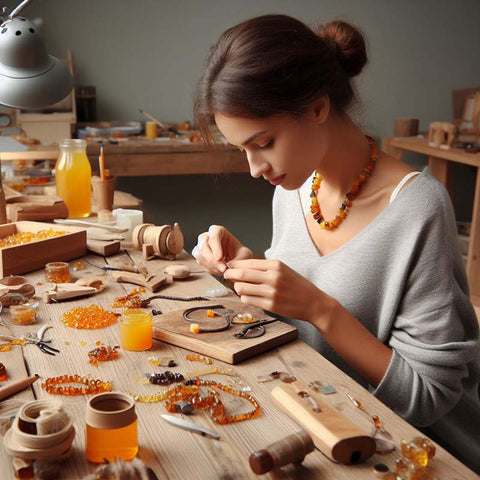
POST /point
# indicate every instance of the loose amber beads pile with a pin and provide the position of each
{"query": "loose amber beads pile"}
(102, 354)
(131, 300)
(89, 318)
(87, 386)
(349, 197)
(157, 361)
(27, 237)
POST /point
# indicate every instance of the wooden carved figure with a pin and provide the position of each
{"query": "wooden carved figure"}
(442, 134)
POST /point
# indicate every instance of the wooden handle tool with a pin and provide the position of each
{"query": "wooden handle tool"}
(332, 433)
(17, 386)
(291, 449)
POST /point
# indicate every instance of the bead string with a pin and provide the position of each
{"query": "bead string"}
(88, 386)
(349, 197)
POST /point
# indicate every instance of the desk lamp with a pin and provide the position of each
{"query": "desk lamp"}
(29, 77)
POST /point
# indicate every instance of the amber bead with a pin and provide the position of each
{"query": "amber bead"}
(87, 385)
(102, 354)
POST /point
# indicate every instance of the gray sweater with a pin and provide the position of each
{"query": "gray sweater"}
(403, 278)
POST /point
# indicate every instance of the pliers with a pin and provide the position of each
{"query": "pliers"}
(37, 339)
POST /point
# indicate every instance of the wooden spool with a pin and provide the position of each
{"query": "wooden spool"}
(175, 241)
(138, 235)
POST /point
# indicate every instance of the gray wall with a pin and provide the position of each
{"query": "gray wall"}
(148, 54)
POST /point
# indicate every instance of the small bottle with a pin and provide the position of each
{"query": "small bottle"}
(73, 175)
(136, 329)
(111, 428)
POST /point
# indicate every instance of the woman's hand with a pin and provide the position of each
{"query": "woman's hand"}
(271, 285)
(216, 247)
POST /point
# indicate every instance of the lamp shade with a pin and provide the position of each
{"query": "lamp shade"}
(29, 77)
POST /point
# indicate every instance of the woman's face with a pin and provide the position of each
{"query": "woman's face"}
(282, 149)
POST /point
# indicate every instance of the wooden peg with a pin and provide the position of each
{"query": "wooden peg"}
(147, 251)
(175, 241)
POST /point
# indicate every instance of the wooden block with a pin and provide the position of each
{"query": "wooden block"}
(153, 284)
(106, 248)
(332, 433)
(31, 256)
(172, 328)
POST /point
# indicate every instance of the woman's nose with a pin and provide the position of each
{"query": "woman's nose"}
(257, 165)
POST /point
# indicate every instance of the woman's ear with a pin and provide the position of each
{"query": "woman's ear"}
(321, 109)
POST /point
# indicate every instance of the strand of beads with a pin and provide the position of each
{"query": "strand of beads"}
(88, 386)
(199, 358)
(89, 318)
(217, 411)
(6, 347)
(165, 378)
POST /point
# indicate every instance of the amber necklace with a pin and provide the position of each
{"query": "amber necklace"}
(349, 197)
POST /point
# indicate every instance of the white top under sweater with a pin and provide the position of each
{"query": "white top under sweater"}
(403, 278)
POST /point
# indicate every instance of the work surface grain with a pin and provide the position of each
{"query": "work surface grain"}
(174, 453)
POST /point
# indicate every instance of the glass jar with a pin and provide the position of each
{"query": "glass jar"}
(136, 329)
(73, 176)
(23, 314)
(111, 428)
(57, 272)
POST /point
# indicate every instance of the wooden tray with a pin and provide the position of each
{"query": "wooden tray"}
(172, 328)
(31, 256)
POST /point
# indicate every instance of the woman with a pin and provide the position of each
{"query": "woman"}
(373, 278)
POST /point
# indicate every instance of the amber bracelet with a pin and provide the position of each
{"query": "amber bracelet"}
(89, 386)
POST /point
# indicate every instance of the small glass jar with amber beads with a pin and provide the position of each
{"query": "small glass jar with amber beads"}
(57, 272)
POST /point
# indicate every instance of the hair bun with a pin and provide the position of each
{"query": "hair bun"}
(349, 45)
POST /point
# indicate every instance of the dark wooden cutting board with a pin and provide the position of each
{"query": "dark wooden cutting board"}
(172, 328)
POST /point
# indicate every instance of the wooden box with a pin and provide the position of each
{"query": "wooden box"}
(31, 256)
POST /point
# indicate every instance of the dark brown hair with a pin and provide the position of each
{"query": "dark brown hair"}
(275, 64)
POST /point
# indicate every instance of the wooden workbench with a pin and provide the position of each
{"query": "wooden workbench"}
(440, 162)
(141, 157)
(174, 453)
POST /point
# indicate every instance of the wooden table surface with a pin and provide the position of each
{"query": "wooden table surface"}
(141, 157)
(178, 454)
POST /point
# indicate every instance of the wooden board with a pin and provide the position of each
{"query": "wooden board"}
(32, 256)
(172, 328)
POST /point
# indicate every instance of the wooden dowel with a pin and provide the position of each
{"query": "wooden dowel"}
(17, 386)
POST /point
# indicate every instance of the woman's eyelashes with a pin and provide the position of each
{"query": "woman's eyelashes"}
(265, 145)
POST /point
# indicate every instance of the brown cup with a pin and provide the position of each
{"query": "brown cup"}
(103, 191)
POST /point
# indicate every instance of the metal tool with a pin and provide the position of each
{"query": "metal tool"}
(38, 340)
(191, 426)
(253, 330)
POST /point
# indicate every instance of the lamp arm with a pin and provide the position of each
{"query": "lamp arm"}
(19, 7)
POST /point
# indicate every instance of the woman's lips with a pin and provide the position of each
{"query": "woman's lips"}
(276, 181)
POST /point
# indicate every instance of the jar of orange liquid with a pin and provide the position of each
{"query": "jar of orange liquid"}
(136, 329)
(73, 176)
(111, 428)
